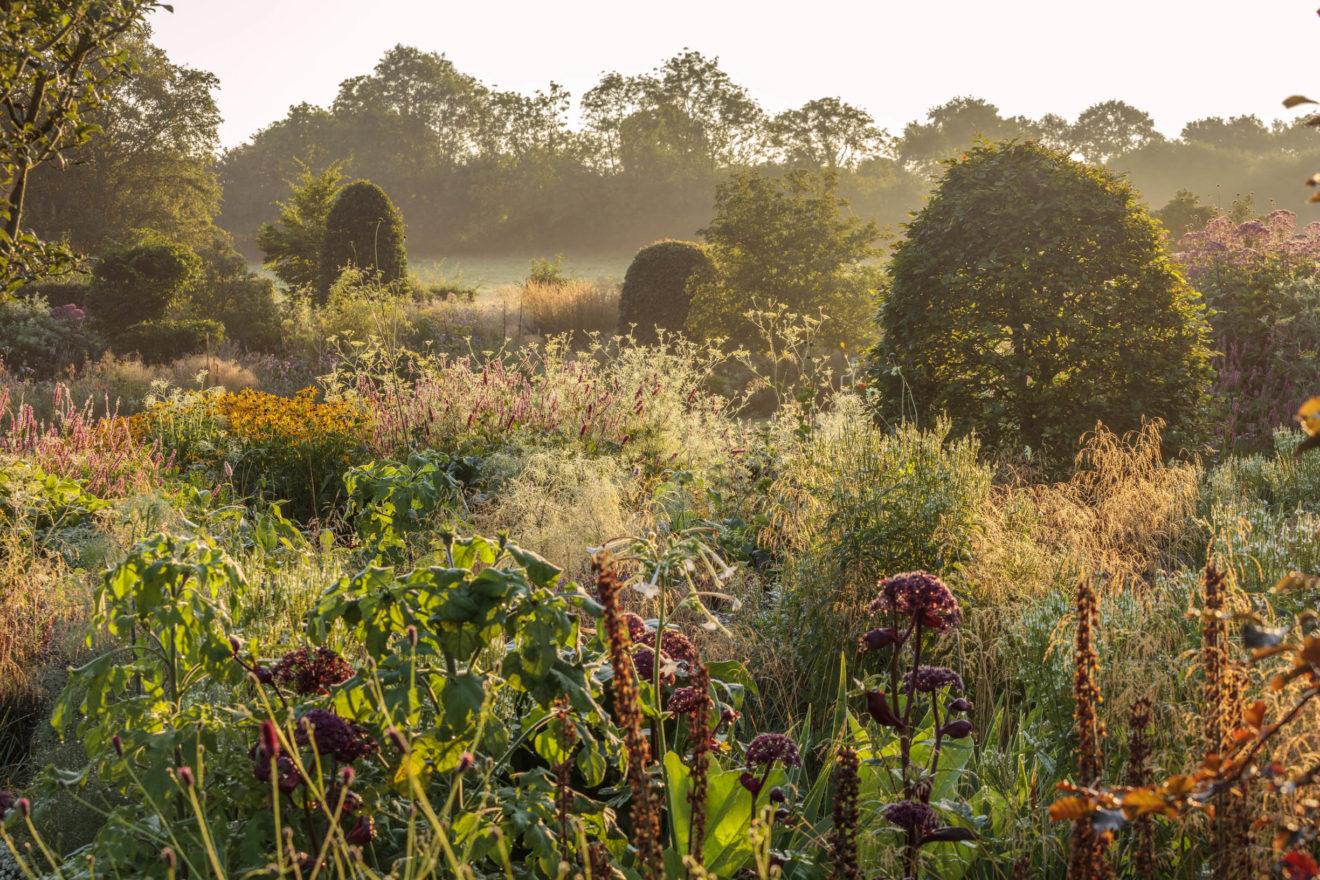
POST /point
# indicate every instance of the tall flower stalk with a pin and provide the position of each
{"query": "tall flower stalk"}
(1223, 705)
(628, 715)
(1087, 859)
(913, 604)
(1143, 861)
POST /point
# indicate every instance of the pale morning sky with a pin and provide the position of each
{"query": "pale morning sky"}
(1178, 60)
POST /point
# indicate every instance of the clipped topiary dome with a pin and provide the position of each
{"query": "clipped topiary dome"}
(655, 290)
(365, 230)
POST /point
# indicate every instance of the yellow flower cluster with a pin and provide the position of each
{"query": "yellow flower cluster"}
(261, 417)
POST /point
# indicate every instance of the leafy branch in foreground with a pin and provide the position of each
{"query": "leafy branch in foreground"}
(1251, 741)
(59, 58)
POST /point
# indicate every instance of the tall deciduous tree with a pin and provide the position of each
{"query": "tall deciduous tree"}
(785, 241)
(1112, 128)
(151, 167)
(59, 56)
(826, 133)
(1032, 298)
(950, 129)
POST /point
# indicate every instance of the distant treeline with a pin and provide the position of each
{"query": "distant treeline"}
(475, 169)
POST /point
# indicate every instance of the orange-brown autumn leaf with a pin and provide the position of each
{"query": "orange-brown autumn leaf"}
(1143, 801)
(1069, 808)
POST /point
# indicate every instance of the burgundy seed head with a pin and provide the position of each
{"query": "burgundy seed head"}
(962, 704)
(777, 795)
(363, 832)
(118, 744)
(235, 645)
(750, 782)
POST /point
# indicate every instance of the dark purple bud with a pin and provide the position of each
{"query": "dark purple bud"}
(118, 744)
(397, 738)
(878, 707)
(962, 704)
(465, 761)
(751, 783)
(7, 802)
(185, 776)
(880, 638)
(782, 815)
(957, 729)
(169, 858)
(346, 776)
(777, 795)
(411, 632)
(235, 645)
(363, 832)
(24, 807)
(263, 675)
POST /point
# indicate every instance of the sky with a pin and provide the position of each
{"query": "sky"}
(1176, 60)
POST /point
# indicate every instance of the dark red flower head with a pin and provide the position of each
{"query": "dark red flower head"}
(876, 639)
(929, 679)
(920, 595)
(912, 814)
(644, 660)
(685, 700)
(767, 748)
(312, 671)
(333, 735)
(636, 625)
(363, 832)
(957, 729)
(7, 802)
(673, 644)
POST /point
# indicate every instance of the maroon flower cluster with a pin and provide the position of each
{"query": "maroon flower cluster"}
(312, 671)
(929, 679)
(767, 748)
(686, 700)
(672, 644)
(332, 735)
(912, 814)
(636, 625)
(644, 660)
(920, 595)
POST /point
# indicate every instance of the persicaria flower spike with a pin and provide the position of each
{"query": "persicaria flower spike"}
(767, 748)
(920, 595)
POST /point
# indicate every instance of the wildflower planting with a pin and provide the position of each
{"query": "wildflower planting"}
(379, 582)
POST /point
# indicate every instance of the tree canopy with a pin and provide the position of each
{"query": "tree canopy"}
(1020, 298)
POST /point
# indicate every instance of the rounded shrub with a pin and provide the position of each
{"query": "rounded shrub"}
(1031, 298)
(137, 283)
(655, 291)
(163, 341)
(365, 230)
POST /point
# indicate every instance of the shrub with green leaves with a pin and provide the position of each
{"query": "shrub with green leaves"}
(1015, 300)
(39, 341)
(365, 230)
(137, 283)
(655, 293)
(166, 339)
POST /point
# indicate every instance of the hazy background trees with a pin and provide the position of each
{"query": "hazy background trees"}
(638, 157)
